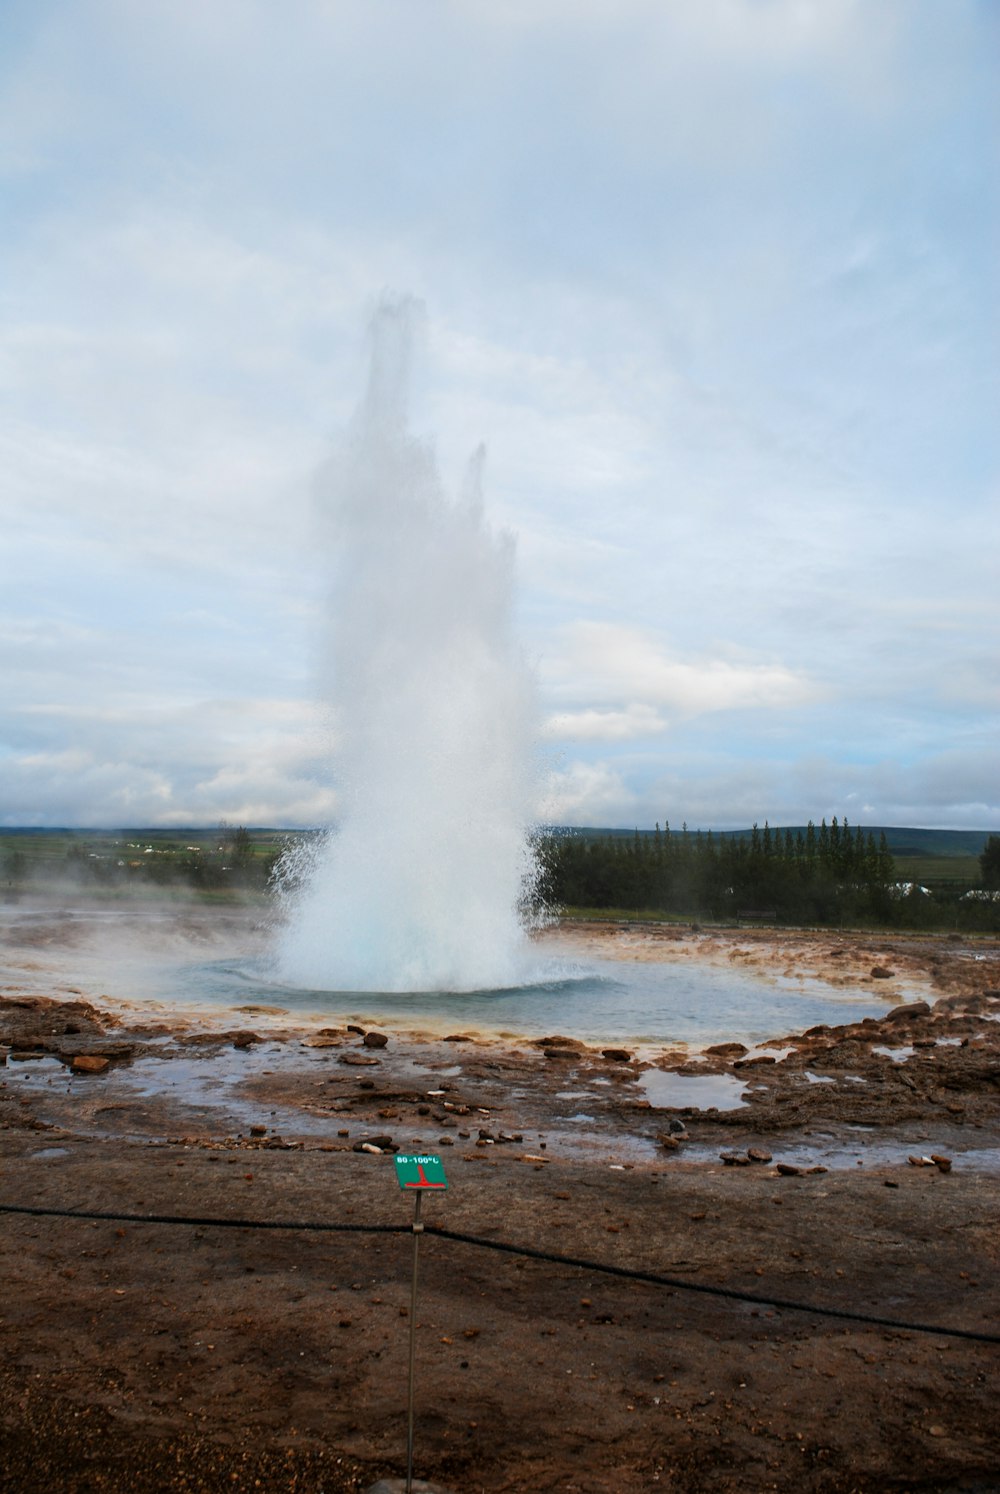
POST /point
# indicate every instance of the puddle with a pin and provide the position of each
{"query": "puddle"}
(898, 1055)
(820, 1078)
(703, 1091)
(841, 1153)
(210, 1086)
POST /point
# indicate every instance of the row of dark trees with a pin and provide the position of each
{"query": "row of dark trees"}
(818, 875)
(989, 863)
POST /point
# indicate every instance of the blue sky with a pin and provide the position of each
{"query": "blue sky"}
(716, 283)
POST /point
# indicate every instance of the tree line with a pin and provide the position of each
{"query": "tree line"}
(826, 874)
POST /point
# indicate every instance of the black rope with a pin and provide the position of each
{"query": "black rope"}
(203, 1222)
(732, 1293)
(627, 1273)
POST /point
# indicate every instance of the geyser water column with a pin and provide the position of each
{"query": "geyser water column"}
(423, 881)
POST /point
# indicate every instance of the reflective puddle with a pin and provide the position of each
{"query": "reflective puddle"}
(703, 1091)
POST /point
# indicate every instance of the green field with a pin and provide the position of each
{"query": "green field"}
(934, 871)
(212, 861)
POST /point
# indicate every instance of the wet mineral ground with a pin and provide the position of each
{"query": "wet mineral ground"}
(851, 1169)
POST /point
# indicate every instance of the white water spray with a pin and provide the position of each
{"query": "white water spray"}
(423, 882)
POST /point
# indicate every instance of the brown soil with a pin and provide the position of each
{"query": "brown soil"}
(181, 1357)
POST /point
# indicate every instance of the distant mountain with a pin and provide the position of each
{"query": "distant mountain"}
(906, 842)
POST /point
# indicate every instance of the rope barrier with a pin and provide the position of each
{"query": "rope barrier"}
(203, 1222)
(732, 1293)
(627, 1273)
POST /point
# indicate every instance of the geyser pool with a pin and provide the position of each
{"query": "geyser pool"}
(189, 963)
(686, 1004)
(423, 883)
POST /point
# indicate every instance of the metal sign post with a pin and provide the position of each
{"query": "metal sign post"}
(417, 1175)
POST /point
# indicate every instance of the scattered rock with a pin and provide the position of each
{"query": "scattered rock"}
(880, 972)
(245, 1039)
(943, 1164)
(912, 1009)
(559, 1053)
(726, 1050)
(357, 1060)
(353, 1027)
(758, 1154)
(789, 1170)
(734, 1159)
(375, 1040)
(90, 1063)
(616, 1055)
(102, 1048)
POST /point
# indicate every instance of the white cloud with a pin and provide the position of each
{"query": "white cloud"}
(711, 281)
(596, 725)
(586, 794)
(612, 662)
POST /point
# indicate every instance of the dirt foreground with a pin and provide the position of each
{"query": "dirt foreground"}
(186, 1356)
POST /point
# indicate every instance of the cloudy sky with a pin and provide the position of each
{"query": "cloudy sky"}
(714, 280)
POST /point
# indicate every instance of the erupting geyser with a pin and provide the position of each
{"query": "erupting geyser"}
(424, 881)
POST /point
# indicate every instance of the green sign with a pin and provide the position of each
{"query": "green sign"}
(420, 1172)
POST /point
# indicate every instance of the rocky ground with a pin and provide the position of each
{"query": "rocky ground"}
(851, 1168)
